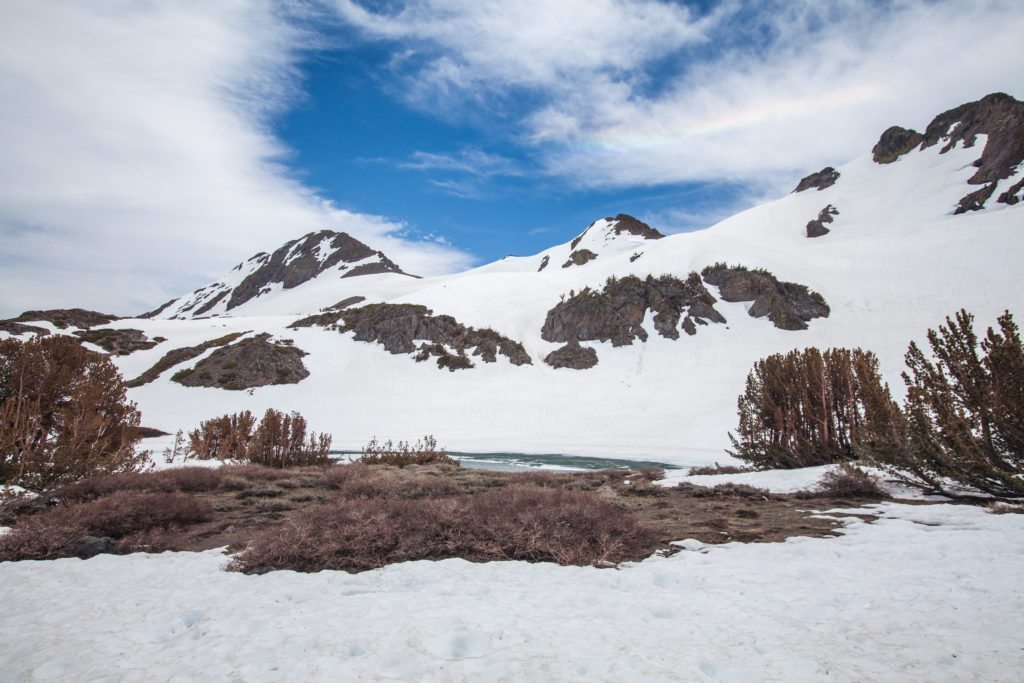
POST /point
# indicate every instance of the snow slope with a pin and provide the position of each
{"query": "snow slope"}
(896, 262)
(926, 593)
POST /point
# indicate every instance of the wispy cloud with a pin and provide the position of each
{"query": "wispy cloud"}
(471, 161)
(622, 93)
(137, 157)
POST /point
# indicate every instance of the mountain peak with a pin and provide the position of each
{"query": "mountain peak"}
(294, 263)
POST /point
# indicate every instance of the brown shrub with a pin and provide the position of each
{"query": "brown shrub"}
(64, 414)
(279, 440)
(511, 523)
(424, 452)
(847, 481)
(359, 480)
(718, 469)
(651, 473)
(184, 479)
(725, 491)
(56, 532)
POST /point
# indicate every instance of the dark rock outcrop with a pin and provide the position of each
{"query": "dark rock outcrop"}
(816, 228)
(17, 329)
(66, 317)
(616, 313)
(119, 342)
(301, 260)
(998, 116)
(1010, 196)
(397, 326)
(573, 356)
(156, 311)
(329, 316)
(975, 201)
(246, 364)
(787, 304)
(894, 143)
(579, 257)
(826, 177)
(624, 223)
(544, 263)
(180, 355)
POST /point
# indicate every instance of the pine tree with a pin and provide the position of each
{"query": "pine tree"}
(965, 409)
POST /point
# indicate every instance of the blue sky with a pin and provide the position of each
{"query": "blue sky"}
(469, 181)
(148, 146)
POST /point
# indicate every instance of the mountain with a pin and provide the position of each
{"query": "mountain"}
(621, 342)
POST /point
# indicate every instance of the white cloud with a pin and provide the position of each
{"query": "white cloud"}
(135, 156)
(618, 93)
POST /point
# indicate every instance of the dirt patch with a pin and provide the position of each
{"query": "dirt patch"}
(242, 504)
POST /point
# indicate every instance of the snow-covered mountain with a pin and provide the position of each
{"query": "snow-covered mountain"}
(622, 342)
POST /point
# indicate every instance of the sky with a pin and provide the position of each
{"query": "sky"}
(147, 146)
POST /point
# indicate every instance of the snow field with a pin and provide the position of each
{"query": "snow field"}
(928, 593)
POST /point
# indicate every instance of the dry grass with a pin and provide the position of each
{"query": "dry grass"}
(516, 522)
(718, 469)
(121, 515)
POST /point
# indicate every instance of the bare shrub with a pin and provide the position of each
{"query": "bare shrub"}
(717, 469)
(279, 440)
(56, 532)
(847, 481)
(183, 479)
(725, 491)
(651, 473)
(401, 454)
(511, 523)
(64, 414)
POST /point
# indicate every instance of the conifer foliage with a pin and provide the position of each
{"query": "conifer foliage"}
(63, 414)
(811, 407)
(278, 440)
(965, 409)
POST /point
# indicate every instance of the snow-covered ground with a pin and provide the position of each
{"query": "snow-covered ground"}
(925, 593)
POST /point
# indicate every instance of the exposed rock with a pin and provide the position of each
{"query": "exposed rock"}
(1000, 117)
(208, 306)
(156, 311)
(579, 257)
(329, 316)
(787, 304)
(1010, 196)
(616, 313)
(975, 201)
(826, 177)
(635, 256)
(397, 326)
(249, 363)
(66, 317)
(119, 342)
(301, 260)
(17, 329)
(816, 228)
(180, 355)
(572, 355)
(91, 546)
(544, 263)
(894, 143)
(624, 223)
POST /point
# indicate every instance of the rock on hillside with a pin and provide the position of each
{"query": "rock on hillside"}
(295, 263)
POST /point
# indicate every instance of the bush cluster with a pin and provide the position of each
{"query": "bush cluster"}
(961, 425)
(64, 414)
(278, 440)
(515, 522)
(401, 454)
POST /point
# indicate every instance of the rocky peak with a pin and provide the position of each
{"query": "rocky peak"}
(1000, 117)
(293, 264)
(301, 260)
